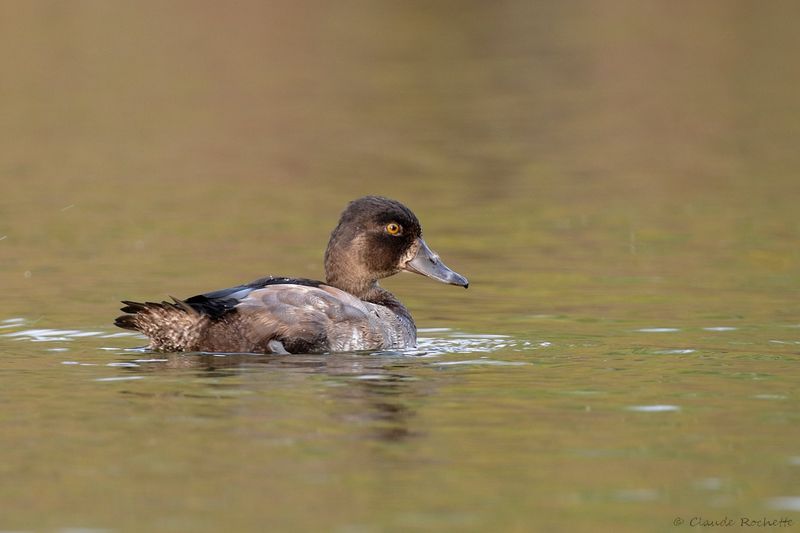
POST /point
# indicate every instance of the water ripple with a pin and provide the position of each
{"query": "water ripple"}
(120, 378)
(460, 342)
(785, 503)
(654, 408)
(52, 335)
(481, 361)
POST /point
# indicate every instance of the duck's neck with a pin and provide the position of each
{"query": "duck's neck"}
(344, 269)
(371, 292)
(364, 289)
(380, 296)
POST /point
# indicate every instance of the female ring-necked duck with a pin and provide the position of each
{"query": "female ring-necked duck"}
(376, 238)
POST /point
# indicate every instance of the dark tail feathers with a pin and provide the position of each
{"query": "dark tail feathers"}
(171, 326)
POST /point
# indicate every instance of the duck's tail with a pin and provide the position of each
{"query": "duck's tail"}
(172, 326)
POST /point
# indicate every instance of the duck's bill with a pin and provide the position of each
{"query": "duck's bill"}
(427, 263)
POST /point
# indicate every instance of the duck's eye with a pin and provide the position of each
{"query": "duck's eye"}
(393, 228)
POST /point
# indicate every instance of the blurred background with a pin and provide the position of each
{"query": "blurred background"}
(594, 168)
(549, 148)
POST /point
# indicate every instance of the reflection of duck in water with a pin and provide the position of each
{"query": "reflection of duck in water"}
(376, 403)
(375, 238)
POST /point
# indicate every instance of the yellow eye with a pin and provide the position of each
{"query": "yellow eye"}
(393, 228)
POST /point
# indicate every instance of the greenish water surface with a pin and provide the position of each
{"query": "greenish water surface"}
(619, 181)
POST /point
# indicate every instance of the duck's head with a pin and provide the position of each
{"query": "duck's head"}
(376, 238)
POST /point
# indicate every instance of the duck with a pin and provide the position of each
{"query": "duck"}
(376, 237)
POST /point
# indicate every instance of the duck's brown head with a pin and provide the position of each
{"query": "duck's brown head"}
(376, 238)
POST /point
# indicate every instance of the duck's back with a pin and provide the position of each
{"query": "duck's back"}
(273, 315)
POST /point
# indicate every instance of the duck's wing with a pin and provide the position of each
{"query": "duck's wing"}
(305, 318)
(217, 304)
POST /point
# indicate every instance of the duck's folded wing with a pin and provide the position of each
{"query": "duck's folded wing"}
(217, 304)
(309, 319)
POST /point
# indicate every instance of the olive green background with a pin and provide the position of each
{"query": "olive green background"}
(619, 181)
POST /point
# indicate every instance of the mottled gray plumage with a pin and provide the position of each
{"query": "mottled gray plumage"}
(375, 238)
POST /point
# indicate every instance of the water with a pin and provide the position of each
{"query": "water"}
(618, 182)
